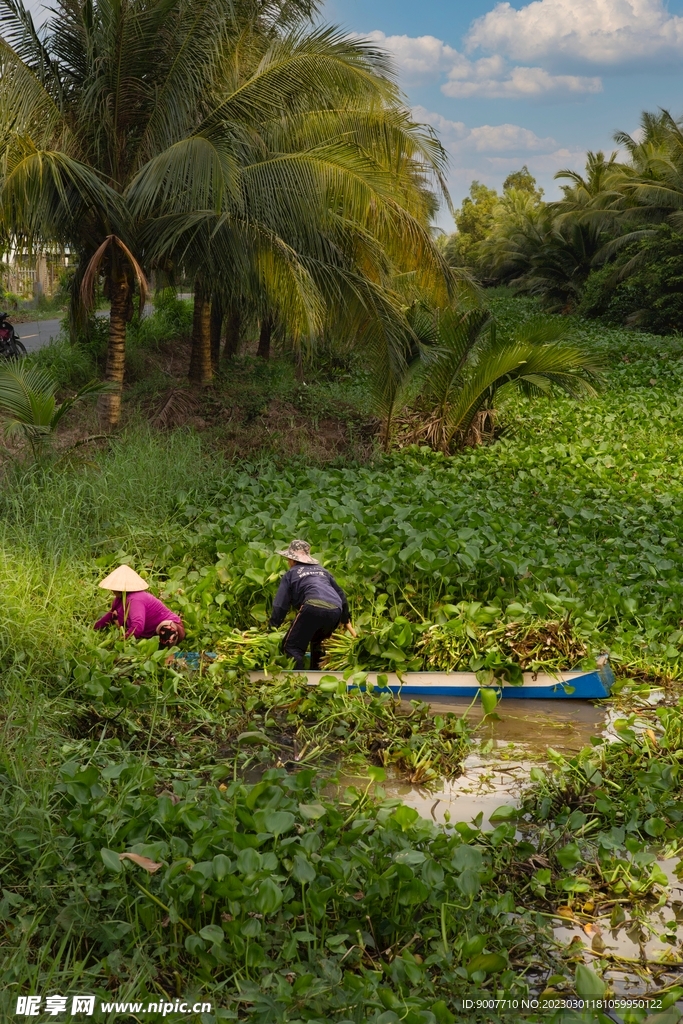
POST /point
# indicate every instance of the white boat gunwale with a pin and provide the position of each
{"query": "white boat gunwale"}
(579, 684)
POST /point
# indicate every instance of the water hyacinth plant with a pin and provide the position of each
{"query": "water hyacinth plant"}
(288, 896)
(317, 907)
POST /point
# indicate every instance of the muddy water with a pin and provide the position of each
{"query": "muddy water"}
(565, 725)
(484, 785)
(644, 953)
(520, 734)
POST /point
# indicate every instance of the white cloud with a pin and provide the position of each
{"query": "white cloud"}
(606, 32)
(500, 138)
(423, 57)
(517, 83)
(419, 57)
(490, 152)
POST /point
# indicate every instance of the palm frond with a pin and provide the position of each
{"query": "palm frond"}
(19, 32)
(92, 269)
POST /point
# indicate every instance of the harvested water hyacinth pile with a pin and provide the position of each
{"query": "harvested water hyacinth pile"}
(252, 649)
(506, 648)
(471, 637)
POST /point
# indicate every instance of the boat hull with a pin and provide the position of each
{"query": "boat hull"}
(576, 685)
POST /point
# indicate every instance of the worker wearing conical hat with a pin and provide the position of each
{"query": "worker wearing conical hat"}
(141, 614)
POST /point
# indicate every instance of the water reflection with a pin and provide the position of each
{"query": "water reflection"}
(565, 725)
(642, 950)
(484, 785)
(515, 738)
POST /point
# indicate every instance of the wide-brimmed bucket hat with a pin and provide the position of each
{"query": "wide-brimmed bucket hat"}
(124, 579)
(300, 551)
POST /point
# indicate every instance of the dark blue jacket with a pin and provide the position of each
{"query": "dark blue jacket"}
(304, 583)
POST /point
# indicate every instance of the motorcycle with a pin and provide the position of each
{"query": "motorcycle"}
(10, 345)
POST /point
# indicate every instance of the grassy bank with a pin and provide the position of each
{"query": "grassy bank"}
(285, 898)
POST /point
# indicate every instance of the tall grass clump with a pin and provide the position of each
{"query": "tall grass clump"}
(72, 365)
(128, 492)
(171, 319)
(56, 521)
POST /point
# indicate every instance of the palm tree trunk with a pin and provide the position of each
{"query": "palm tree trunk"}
(232, 334)
(201, 370)
(110, 405)
(263, 350)
(386, 433)
(216, 329)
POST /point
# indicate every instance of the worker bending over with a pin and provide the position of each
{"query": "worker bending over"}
(320, 602)
(141, 615)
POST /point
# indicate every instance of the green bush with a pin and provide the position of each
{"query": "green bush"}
(651, 297)
(171, 320)
(72, 365)
(81, 359)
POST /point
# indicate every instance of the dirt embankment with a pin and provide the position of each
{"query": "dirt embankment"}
(251, 408)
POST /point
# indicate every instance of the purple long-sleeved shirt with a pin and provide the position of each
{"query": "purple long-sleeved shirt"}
(144, 613)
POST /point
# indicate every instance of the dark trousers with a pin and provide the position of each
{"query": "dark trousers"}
(311, 626)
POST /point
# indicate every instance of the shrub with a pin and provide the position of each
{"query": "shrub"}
(651, 297)
(71, 365)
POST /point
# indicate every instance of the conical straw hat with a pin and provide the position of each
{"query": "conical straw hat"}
(124, 579)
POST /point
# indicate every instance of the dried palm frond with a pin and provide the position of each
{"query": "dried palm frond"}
(176, 405)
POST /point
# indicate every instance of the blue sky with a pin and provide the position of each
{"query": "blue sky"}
(509, 83)
(538, 83)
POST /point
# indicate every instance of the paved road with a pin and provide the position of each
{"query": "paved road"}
(37, 334)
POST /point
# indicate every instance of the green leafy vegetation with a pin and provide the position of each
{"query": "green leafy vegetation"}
(588, 492)
(174, 824)
(28, 405)
(353, 906)
(464, 365)
(253, 870)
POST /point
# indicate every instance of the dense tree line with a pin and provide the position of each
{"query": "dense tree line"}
(612, 246)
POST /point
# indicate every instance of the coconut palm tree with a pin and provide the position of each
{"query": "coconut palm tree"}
(631, 201)
(651, 183)
(330, 192)
(589, 191)
(551, 249)
(542, 250)
(104, 90)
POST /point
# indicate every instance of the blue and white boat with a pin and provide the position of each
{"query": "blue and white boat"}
(594, 684)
